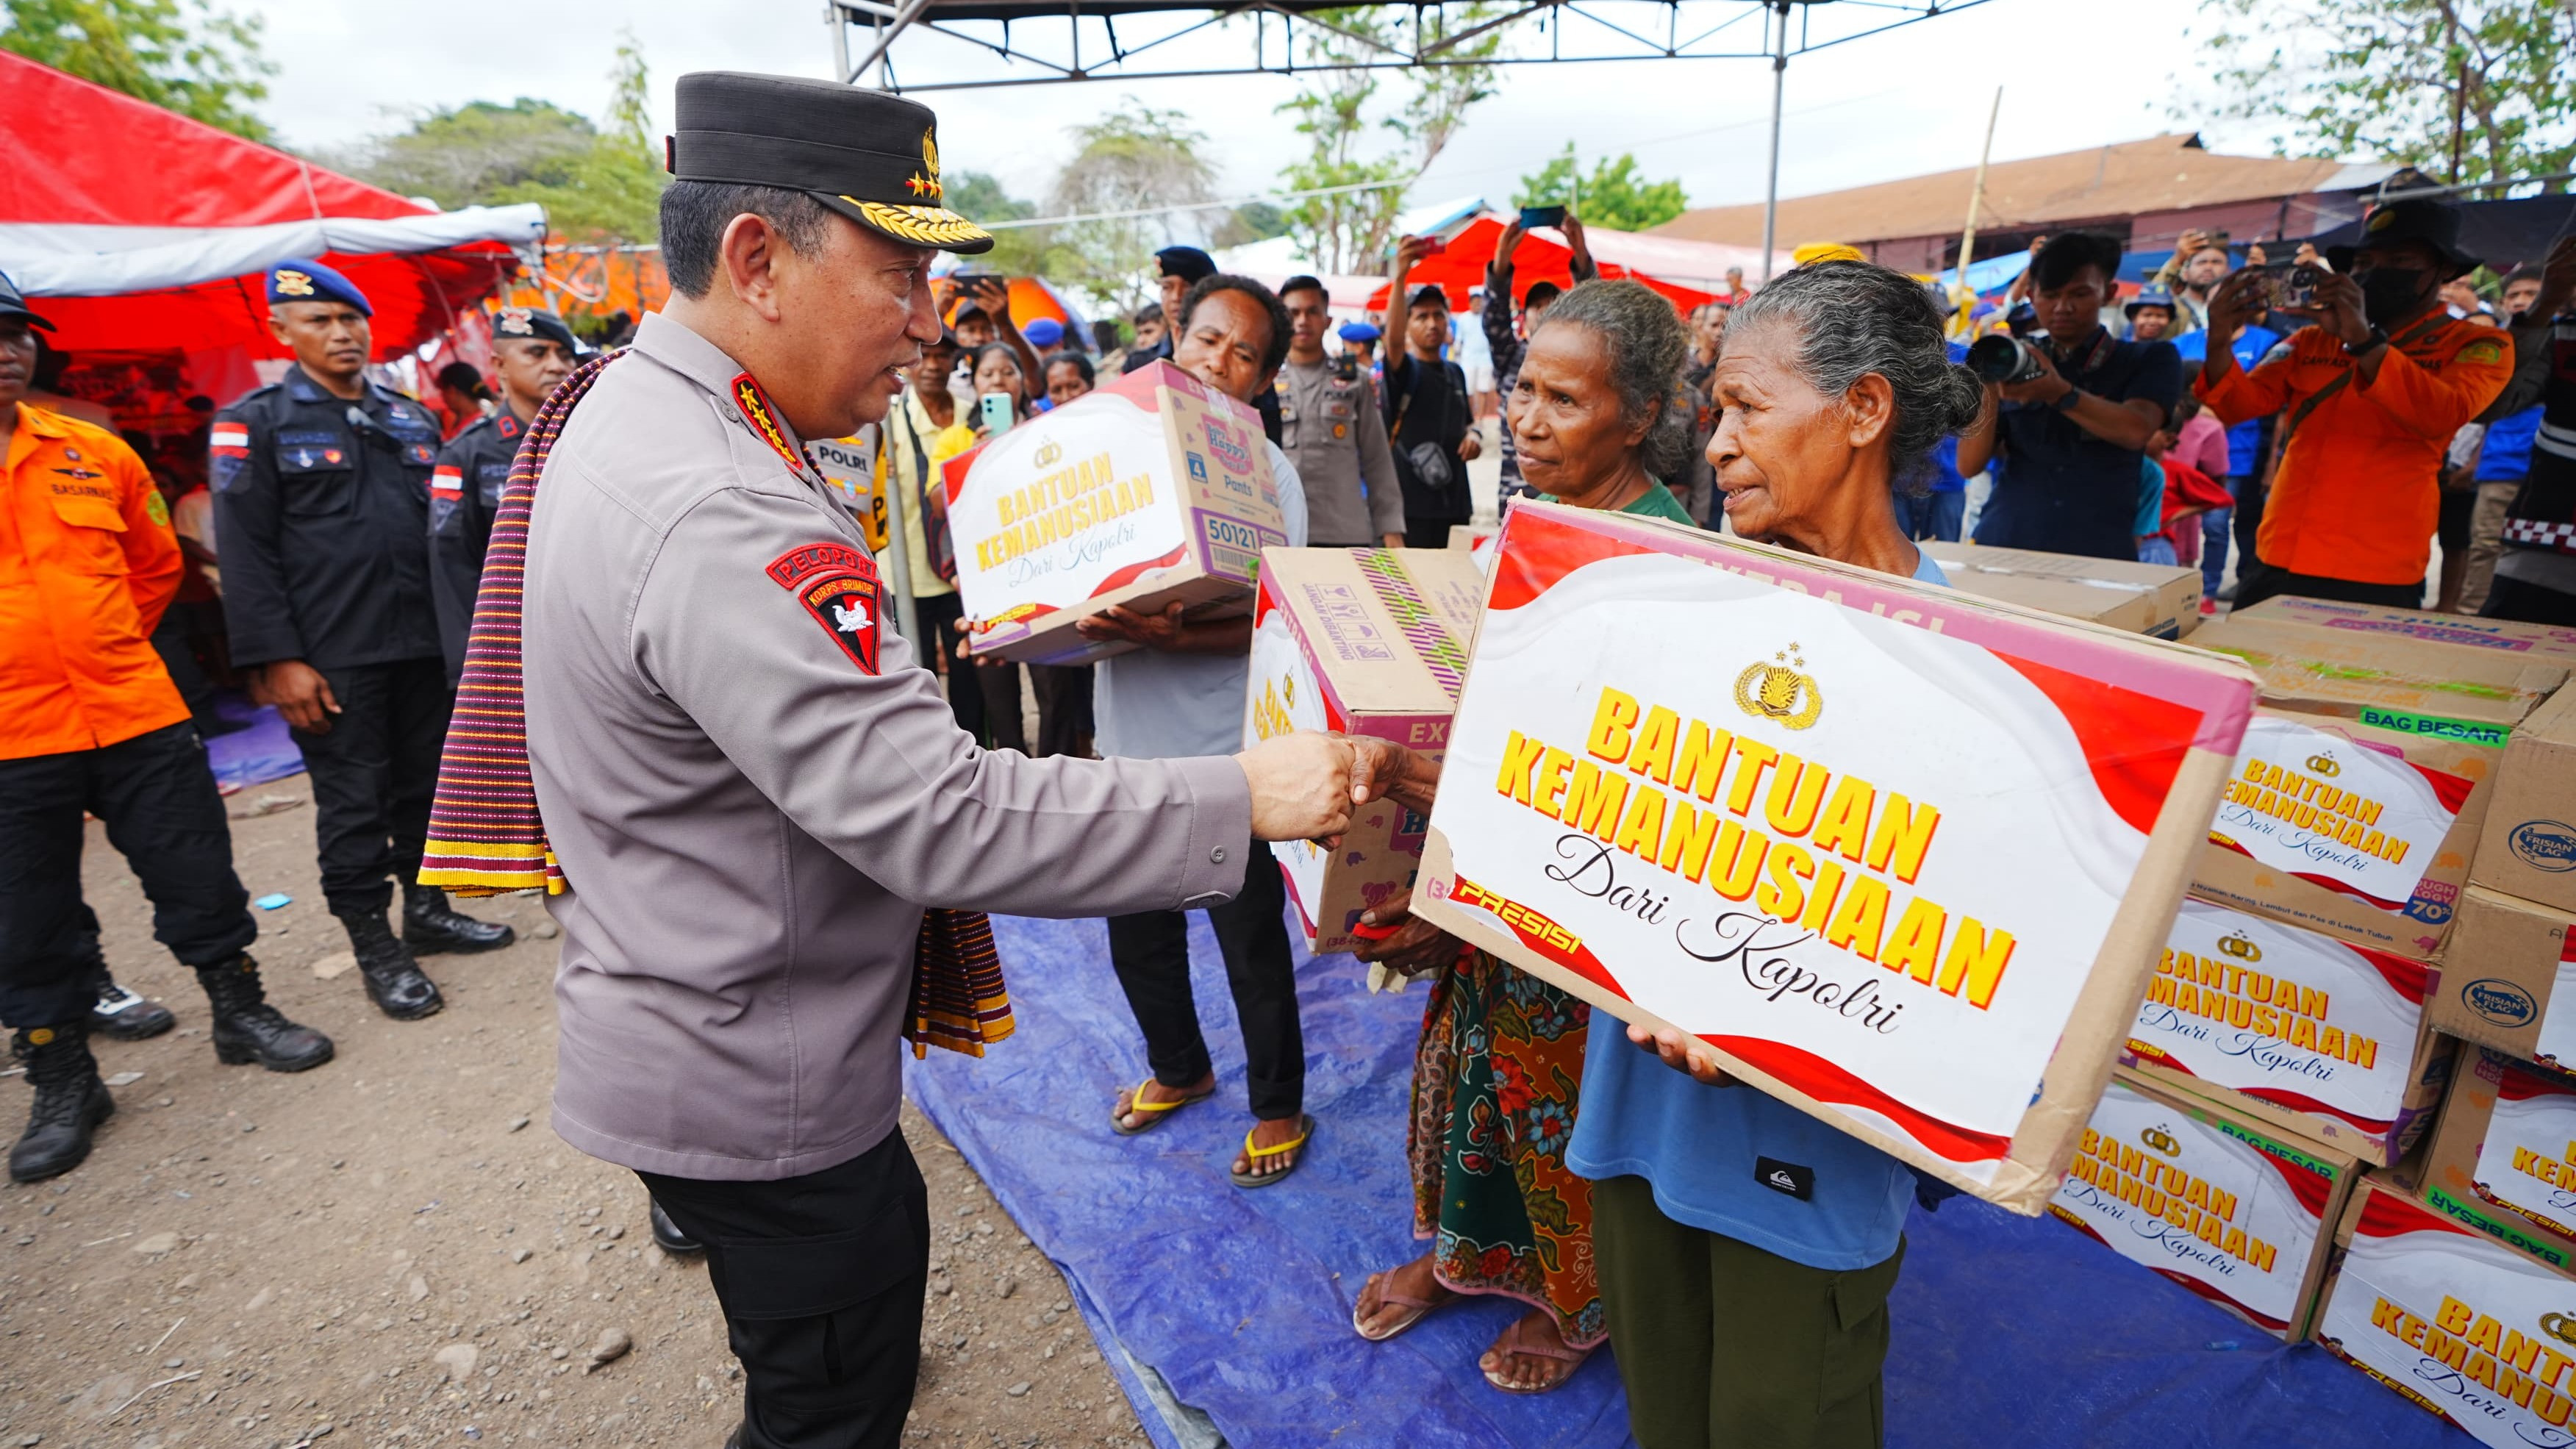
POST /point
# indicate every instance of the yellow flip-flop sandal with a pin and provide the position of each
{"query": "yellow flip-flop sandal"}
(1305, 1131)
(1152, 1112)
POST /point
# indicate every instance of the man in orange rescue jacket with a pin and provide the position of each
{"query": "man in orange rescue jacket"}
(89, 721)
(2374, 388)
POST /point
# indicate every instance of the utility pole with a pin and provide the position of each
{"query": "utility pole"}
(1779, 81)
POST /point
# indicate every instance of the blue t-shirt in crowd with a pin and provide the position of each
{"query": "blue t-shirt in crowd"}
(1699, 1145)
(2151, 497)
(2507, 457)
(2245, 440)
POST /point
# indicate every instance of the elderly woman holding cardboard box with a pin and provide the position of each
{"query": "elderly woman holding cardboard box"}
(1745, 1250)
(1597, 415)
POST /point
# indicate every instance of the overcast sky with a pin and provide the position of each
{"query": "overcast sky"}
(1899, 104)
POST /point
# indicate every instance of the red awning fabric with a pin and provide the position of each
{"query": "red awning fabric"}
(1539, 258)
(93, 178)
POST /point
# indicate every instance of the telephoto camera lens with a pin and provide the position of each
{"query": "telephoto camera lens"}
(2002, 360)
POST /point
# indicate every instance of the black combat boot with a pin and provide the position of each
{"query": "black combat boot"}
(394, 982)
(125, 1015)
(667, 1235)
(429, 926)
(248, 1029)
(70, 1101)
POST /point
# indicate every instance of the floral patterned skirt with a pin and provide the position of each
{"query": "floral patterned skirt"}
(1495, 1081)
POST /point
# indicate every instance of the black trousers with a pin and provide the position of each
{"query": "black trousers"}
(2263, 581)
(1151, 951)
(156, 795)
(937, 618)
(373, 774)
(1429, 532)
(820, 1278)
(2530, 603)
(1064, 708)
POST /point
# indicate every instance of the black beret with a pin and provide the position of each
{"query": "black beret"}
(533, 322)
(870, 156)
(1187, 263)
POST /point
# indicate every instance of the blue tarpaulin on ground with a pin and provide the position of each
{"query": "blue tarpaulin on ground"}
(259, 752)
(2009, 1332)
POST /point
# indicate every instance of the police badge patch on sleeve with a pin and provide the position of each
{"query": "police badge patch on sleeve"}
(838, 586)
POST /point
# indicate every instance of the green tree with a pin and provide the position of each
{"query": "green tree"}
(1612, 196)
(596, 185)
(1018, 251)
(1354, 230)
(1132, 159)
(2475, 90)
(187, 57)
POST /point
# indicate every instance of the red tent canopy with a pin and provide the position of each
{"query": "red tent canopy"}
(143, 231)
(1539, 258)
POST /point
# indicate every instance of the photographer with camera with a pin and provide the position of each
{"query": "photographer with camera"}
(2070, 411)
(2370, 394)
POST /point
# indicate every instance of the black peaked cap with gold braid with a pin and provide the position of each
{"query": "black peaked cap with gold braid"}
(872, 157)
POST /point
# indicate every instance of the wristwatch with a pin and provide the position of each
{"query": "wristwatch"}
(2378, 337)
(2067, 400)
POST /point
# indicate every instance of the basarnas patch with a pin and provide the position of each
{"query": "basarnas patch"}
(838, 586)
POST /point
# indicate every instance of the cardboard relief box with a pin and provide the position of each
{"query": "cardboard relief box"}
(2296, 1030)
(2551, 642)
(1361, 641)
(2528, 848)
(1153, 490)
(2503, 1158)
(2364, 782)
(2238, 1214)
(1905, 858)
(2158, 600)
(2509, 979)
(2455, 1321)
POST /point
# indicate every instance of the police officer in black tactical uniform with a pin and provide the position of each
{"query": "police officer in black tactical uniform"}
(322, 501)
(532, 351)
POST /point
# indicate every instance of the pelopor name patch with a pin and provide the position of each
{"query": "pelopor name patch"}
(838, 586)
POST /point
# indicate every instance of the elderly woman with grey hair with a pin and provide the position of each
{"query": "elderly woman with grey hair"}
(1744, 1250)
(1597, 414)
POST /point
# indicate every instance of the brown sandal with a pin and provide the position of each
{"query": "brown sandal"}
(1511, 1343)
(1420, 1306)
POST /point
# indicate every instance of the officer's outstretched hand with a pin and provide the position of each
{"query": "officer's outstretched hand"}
(1301, 785)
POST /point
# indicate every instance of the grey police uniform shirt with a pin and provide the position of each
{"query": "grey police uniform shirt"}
(1149, 705)
(1330, 427)
(749, 820)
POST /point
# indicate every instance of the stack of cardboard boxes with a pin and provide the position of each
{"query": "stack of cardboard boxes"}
(2348, 1062)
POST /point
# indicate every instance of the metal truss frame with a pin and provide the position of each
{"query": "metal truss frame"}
(1061, 42)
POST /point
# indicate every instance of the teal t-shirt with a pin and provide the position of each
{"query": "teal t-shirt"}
(1656, 502)
(1710, 1152)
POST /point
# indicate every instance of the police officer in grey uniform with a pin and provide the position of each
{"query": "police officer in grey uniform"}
(321, 485)
(1329, 426)
(532, 352)
(751, 791)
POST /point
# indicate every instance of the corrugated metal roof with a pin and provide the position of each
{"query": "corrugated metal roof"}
(2161, 173)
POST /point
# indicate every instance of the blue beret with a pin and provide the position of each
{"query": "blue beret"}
(313, 282)
(1358, 332)
(1043, 332)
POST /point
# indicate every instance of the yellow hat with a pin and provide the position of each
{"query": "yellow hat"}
(1814, 252)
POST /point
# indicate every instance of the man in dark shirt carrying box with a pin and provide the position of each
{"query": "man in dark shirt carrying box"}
(2071, 433)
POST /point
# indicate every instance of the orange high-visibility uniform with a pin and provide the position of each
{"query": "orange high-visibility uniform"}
(2358, 489)
(87, 564)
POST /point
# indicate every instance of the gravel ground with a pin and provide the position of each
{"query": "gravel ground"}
(393, 1249)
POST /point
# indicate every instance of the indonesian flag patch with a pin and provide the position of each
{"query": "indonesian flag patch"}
(838, 586)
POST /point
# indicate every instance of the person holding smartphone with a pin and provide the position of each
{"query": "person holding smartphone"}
(1428, 412)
